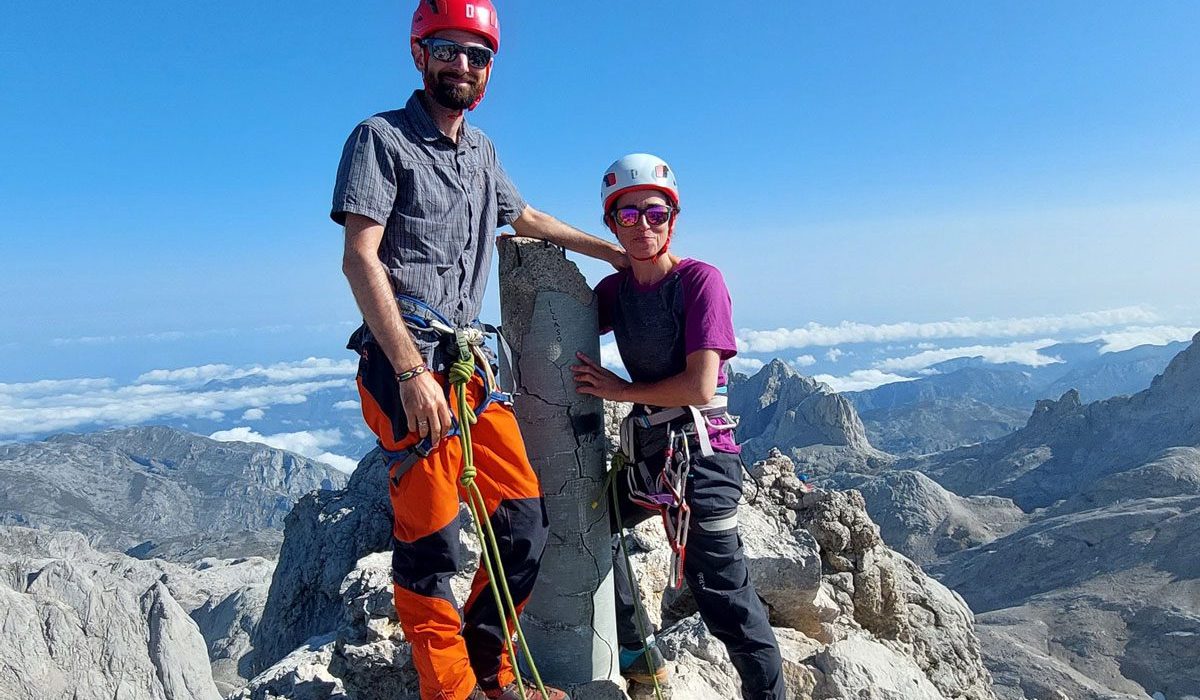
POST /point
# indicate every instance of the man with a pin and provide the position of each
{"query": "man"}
(420, 194)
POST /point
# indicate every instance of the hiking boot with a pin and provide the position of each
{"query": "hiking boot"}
(641, 669)
(513, 692)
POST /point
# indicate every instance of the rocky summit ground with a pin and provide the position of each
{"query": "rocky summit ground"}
(854, 618)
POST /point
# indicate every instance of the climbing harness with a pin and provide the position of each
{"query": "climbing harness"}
(471, 359)
(665, 492)
(425, 322)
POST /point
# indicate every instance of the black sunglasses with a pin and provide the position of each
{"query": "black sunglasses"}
(446, 51)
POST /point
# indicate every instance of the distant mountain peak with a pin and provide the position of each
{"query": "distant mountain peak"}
(1183, 372)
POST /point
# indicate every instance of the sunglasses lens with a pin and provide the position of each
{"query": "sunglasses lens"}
(447, 51)
(444, 52)
(627, 216)
(657, 216)
(478, 57)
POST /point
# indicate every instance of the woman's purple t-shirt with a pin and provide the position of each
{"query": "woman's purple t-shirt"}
(707, 318)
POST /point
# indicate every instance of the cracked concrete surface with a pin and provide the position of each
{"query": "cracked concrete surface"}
(549, 313)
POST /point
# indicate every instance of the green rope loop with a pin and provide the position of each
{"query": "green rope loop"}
(460, 375)
(619, 462)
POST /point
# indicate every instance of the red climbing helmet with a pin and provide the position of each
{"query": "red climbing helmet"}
(476, 16)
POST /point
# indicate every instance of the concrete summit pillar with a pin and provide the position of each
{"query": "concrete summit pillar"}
(548, 314)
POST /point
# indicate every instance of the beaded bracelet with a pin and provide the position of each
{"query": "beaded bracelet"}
(405, 376)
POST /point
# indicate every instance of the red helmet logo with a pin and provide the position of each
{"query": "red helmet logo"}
(610, 179)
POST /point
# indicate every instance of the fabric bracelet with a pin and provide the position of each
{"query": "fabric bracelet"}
(405, 376)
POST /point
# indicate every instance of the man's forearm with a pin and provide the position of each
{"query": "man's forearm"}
(373, 293)
(536, 224)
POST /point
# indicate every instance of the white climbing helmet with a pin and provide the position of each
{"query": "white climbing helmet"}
(638, 171)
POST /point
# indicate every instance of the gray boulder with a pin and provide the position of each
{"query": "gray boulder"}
(862, 668)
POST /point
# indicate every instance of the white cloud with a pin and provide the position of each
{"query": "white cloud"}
(1024, 353)
(309, 443)
(815, 334)
(53, 387)
(745, 365)
(860, 380)
(174, 336)
(186, 375)
(348, 405)
(804, 361)
(342, 463)
(38, 408)
(310, 368)
(834, 354)
(1134, 336)
(254, 414)
(610, 357)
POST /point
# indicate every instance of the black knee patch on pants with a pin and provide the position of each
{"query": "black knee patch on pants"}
(522, 528)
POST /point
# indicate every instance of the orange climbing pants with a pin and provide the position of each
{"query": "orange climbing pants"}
(452, 651)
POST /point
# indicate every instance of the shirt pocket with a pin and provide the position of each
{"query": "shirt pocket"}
(431, 242)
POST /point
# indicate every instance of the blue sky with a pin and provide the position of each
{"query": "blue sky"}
(165, 168)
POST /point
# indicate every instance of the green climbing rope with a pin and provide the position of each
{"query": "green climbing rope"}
(619, 462)
(460, 375)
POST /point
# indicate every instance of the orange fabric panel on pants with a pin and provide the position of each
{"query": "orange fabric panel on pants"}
(425, 503)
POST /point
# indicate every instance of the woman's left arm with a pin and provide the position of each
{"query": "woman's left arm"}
(694, 386)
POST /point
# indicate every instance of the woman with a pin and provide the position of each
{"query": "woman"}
(672, 319)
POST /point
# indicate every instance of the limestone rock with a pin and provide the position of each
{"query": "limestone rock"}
(880, 614)
(783, 557)
(324, 537)
(75, 627)
(893, 599)
(865, 669)
(925, 522)
(301, 675)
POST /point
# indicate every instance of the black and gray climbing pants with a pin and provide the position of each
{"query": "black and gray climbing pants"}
(715, 571)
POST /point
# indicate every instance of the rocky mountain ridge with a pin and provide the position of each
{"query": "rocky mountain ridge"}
(1067, 445)
(1091, 590)
(967, 400)
(158, 491)
(815, 426)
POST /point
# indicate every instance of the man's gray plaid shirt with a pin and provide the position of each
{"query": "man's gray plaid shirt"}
(439, 203)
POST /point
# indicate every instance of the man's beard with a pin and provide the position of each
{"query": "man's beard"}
(453, 95)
